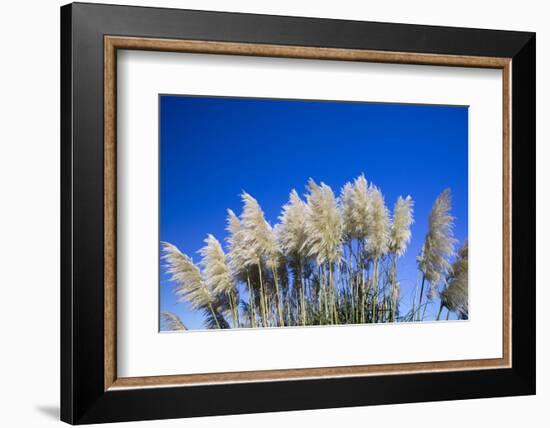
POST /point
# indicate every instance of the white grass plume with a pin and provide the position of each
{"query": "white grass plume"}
(258, 234)
(216, 272)
(190, 286)
(378, 225)
(439, 242)
(239, 254)
(455, 296)
(355, 208)
(400, 231)
(291, 231)
(346, 211)
(172, 321)
(323, 224)
(362, 207)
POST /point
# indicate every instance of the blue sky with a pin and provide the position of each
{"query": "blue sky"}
(211, 149)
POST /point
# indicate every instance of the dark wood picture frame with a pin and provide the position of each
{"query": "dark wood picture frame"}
(90, 37)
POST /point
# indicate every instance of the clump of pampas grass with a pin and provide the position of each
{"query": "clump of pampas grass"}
(329, 260)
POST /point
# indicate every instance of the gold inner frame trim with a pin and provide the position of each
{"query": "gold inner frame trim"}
(113, 43)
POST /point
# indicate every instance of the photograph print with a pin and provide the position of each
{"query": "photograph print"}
(296, 213)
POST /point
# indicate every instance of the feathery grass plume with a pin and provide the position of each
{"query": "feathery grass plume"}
(378, 238)
(260, 239)
(355, 208)
(238, 260)
(378, 225)
(345, 204)
(400, 231)
(239, 254)
(324, 235)
(291, 234)
(362, 208)
(190, 286)
(215, 269)
(438, 245)
(217, 275)
(172, 321)
(323, 224)
(259, 236)
(455, 296)
(400, 236)
(346, 211)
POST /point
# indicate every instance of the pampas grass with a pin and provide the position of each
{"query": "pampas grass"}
(239, 253)
(358, 205)
(400, 236)
(329, 260)
(264, 250)
(291, 235)
(291, 232)
(190, 286)
(433, 260)
(238, 261)
(378, 239)
(379, 225)
(323, 226)
(172, 321)
(217, 275)
(400, 231)
(455, 296)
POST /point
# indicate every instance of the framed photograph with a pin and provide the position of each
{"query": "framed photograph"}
(266, 213)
